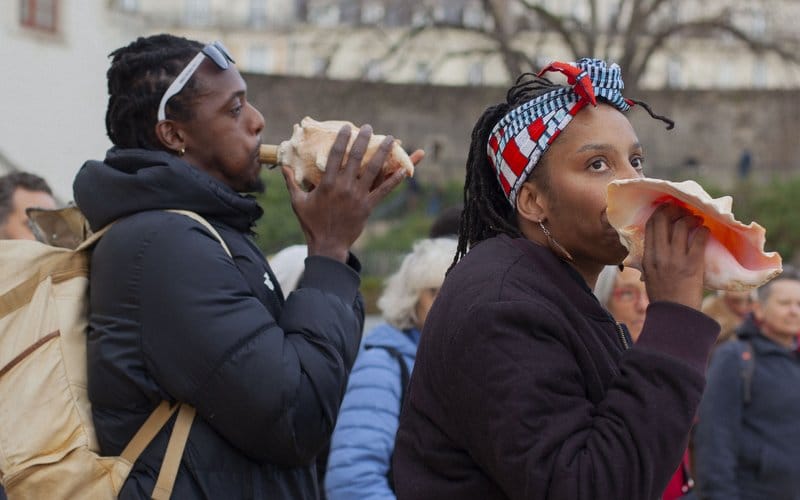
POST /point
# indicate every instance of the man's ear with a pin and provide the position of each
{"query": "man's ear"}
(170, 135)
(530, 203)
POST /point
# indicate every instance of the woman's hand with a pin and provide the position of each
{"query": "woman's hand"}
(333, 214)
(674, 248)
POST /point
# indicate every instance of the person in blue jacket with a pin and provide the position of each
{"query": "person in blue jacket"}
(174, 317)
(363, 440)
(747, 440)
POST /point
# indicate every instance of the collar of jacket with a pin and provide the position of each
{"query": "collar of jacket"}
(129, 181)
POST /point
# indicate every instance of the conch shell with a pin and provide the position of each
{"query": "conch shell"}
(734, 257)
(307, 151)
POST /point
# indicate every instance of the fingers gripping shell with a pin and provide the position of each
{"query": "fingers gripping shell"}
(307, 151)
(734, 256)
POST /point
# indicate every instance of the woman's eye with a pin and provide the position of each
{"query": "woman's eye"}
(637, 162)
(237, 110)
(598, 165)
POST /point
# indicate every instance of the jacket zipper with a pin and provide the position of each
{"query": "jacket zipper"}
(622, 336)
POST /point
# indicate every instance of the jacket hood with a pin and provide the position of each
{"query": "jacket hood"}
(385, 335)
(748, 328)
(135, 180)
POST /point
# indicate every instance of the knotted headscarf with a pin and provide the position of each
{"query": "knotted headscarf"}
(521, 137)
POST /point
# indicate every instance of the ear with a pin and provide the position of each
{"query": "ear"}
(170, 135)
(531, 205)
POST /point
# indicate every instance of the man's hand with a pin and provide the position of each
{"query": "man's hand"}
(674, 247)
(333, 214)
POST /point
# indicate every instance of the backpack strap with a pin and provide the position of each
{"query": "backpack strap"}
(172, 458)
(748, 367)
(404, 380)
(198, 218)
(154, 423)
(161, 415)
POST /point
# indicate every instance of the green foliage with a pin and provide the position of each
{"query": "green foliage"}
(278, 228)
(774, 206)
(405, 216)
(371, 289)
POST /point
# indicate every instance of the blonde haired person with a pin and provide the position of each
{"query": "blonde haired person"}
(730, 309)
(363, 440)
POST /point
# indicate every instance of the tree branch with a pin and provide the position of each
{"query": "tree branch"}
(719, 24)
(560, 26)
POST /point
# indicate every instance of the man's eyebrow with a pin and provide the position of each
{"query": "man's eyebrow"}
(238, 93)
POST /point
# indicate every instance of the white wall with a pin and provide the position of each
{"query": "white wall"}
(53, 90)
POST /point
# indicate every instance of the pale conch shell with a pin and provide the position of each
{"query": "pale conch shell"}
(307, 151)
(734, 256)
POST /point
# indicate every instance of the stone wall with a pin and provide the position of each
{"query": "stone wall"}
(713, 128)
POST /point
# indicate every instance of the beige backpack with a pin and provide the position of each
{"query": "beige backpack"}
(48, 447)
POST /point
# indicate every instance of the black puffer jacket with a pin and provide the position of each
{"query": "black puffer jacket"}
(173, 317)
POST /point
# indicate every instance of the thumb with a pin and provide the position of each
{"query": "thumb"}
(417, 156)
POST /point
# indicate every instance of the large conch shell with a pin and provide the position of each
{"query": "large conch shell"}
(307, 151)
(734, 256)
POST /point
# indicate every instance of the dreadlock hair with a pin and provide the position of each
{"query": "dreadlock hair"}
(487, 212)
(139, 75)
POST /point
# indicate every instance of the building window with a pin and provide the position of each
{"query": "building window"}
(398, 14)
(473, 15)
(419, 16)
(758, 24)
(760, 74)
(197, 13)
(301, 10)
(374, 71)
(319, 66)
(475, 74)
(39, 14)
(372, 13)
(349, 11)
(449, 12)
(326, 16)
(258, 13)
(422, 73)
(674, 76)
(128, 5)
(259, 59)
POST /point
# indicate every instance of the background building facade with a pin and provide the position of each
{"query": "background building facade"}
(54, 94)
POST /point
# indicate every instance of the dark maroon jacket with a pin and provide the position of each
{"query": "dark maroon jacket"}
(523, 387)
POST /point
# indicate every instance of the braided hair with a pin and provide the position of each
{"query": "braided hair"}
(487, 212)
(139, 75)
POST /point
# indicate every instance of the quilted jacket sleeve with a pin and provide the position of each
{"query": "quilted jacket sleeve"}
(540, 437)
(271, 386)
(363, 441)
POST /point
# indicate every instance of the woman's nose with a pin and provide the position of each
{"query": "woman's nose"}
(628, 172)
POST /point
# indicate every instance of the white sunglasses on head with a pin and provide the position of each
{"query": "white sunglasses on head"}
(214, 51)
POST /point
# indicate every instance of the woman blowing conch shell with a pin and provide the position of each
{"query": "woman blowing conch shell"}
(734, 256)
(524, 385)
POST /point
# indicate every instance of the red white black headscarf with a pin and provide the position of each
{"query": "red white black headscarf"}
(521, 137)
